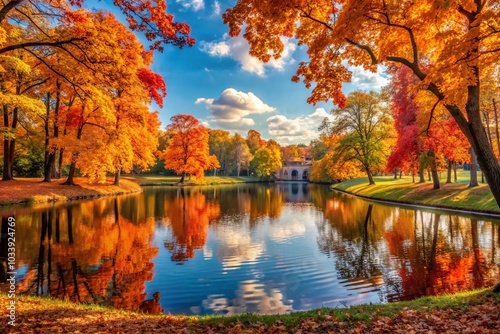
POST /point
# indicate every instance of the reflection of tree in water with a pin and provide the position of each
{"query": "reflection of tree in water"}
(106, 259)
(434, 255)
(189, 214)
(354, 245)
(411, 253)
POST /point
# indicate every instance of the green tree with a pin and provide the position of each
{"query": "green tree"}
(365, 128)
(267, 160)
(219, 143)
(239, 153)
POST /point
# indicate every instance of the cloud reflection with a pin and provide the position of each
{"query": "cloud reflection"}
(250, 297)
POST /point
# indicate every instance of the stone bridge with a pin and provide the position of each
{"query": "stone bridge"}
(294, 172)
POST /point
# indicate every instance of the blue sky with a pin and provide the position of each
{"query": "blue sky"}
(225, 88)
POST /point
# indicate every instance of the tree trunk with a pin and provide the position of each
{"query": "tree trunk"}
(70, 180)
(455, 171)
(61, 155)
(47, 167)
(421, 174)
(117, 177)
(8, 145)
(496, 127)
(473, 170)
(434, 173)
(450, 167)
(182, 177)
(71, 175)
(370, 176)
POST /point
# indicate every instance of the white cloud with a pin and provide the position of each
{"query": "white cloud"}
(195, 5)
(220, 49)
(301, 129)
(367, 80)
(232, 108)
(238, 49)
(216, 8)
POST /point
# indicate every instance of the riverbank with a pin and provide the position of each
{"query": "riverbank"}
(159, 180)
(454, 196)
(30, 191)
(468, 312)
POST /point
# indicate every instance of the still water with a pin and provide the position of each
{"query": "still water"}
(266, 248)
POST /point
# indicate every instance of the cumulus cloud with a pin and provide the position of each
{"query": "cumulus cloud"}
(238, 49)
(367, 80)
(233, 107)
(216, 8)
(301, 129)
(195, 5)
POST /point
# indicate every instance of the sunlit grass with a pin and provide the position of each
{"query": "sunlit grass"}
(451, 195)
(365, 313)
(147, 180)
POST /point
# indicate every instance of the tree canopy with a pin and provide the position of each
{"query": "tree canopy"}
(445, 44)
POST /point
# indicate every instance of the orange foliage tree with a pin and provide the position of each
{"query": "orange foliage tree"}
(445, 44)
(188, 150)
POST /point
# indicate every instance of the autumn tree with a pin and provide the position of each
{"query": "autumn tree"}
(148, 17)
(364, 127)
(267, 160)
(254, 141)
(17, 102)
(408, 147)
(188, 151)
(445, 44)
(220, 142)
(239, 153)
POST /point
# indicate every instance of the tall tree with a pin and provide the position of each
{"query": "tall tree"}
(219, 143)
(267, 160)
(254, 141)
(188, 151)
(365, 128)
(371, 32)
(239, 153)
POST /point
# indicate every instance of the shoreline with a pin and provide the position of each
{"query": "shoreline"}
(456, 313)
(488, 213)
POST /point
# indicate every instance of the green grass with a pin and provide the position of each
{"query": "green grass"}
(451, 195)
(365, 313)
(150, 180)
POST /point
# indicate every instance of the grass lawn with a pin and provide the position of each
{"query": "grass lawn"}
(474, 310)
(451, 195)
(33, 190)
(152, 180)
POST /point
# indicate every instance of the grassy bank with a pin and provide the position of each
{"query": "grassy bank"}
(475, 310)
(158, 180)
(451, 195)
(32, 190)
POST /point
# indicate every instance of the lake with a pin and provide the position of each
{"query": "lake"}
(265, 248)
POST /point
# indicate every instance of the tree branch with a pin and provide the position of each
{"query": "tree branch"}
(431, 117)
(29, 44)
(7, 8)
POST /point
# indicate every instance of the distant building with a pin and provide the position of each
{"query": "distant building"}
(295, 169)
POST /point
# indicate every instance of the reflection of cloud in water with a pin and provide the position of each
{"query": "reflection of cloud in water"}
(207, 252)
(236, 248)
(250, 297)
(282, 233)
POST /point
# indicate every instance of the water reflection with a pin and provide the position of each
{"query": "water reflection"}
(269, 248)
(408, 253)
